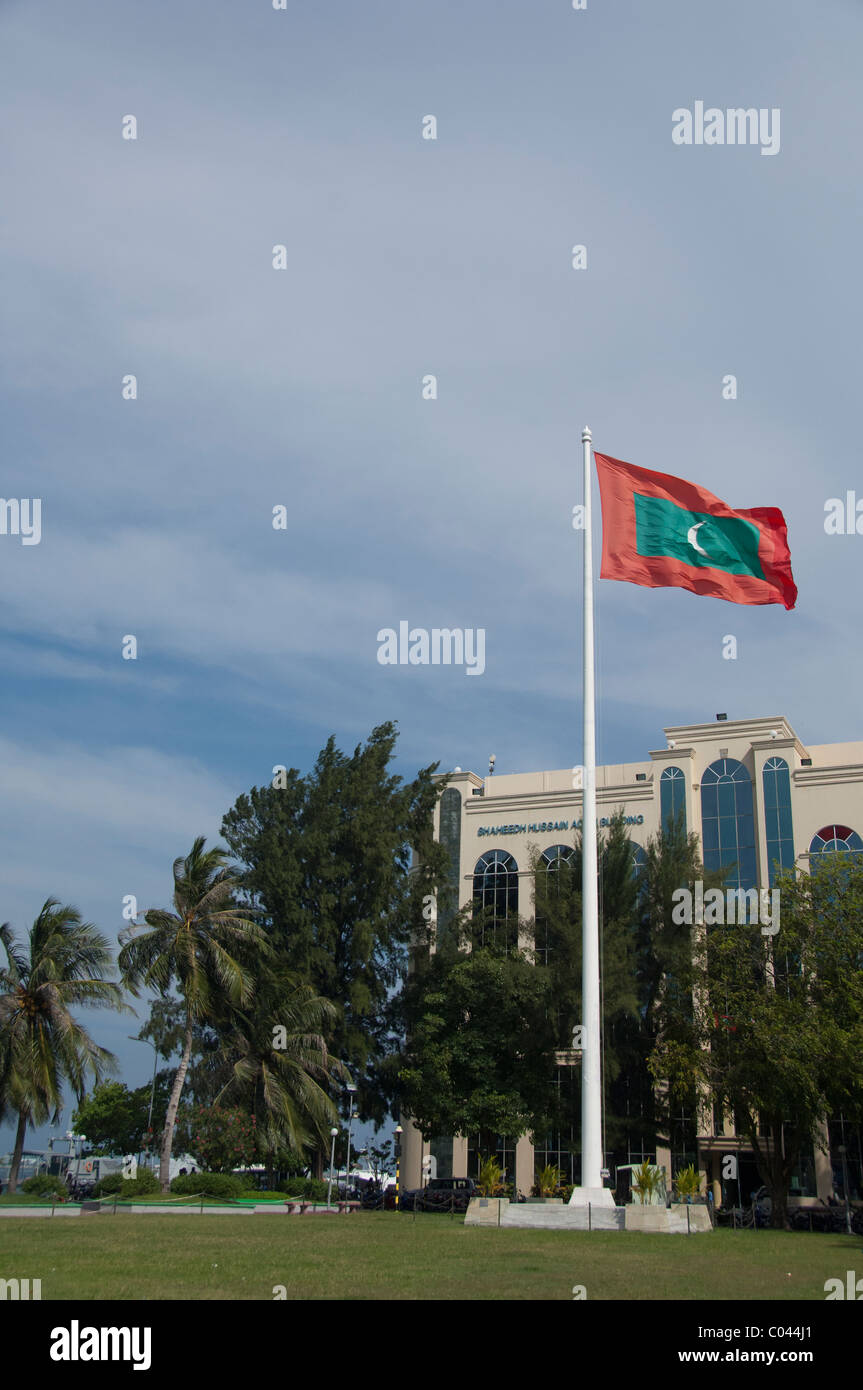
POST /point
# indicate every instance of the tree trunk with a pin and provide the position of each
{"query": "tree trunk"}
(16, 1156)
(779, 1218)
(171, 1116)
(775, 1169)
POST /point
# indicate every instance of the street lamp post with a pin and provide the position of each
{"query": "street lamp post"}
(153, 1087)
(333, 1133)
(351, 1090)
(398, 1154)
(843, 1154)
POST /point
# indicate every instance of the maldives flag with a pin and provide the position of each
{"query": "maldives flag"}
(661, 531)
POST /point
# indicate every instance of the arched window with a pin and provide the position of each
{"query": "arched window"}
(639, 858)
(495, 897)
(554, 858)
(672, 796)
(834, 839)
(549, 881)
(450, 838)
(776, 781)
(728, 822)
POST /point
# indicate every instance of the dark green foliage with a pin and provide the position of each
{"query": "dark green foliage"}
(775, 1036)
(44, 1185)
(114, 1119)
(280, 1067)
(480, 1045)
(203, 950)
(642, 955)
(219, 1137)
(311, 1189)
(146, 1184)
(326, 857)
(65, 964)
(226, 1185)
(108, 1185)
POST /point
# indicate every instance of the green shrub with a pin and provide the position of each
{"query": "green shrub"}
(115, 1185)
(548, 1181)
(489, 1181)
(107, 1186)
(226, 1185)
(44, 1185)
(688, 1182)
(645, 1181)
(310, 1189)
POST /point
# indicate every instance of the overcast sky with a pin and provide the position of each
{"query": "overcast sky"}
(302, 387)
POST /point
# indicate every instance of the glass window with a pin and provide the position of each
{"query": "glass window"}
(495, 898)
(639, 865)
(777, 816)
(847, 1135)
(549, 883)
(450, 838)
(834, 839)
(440, 1150)
(672, 796)
(683, 1143)
(486, 1144)
(728, 824)
(561, 1147)
(639, 858)
(803, 1176)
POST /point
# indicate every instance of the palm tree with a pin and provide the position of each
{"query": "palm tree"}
(41, 1044)
(281, 1066)
(198, 949)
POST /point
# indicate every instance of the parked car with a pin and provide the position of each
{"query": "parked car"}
(439, 1194)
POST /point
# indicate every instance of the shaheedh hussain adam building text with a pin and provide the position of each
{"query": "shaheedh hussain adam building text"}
(756, 797)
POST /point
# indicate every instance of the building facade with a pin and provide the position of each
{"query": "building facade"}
(755, 795)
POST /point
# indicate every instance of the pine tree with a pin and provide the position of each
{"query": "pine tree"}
(326, 859)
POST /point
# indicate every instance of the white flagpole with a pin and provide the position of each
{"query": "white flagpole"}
(591, 1189)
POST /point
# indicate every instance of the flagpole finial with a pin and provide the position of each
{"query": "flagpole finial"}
(586, 436)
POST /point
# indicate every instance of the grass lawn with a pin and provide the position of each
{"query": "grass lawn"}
(391, 1256)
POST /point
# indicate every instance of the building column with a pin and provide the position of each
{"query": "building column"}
(663, 1160)
(524, 1165)
(410, 1168)
(716, 1180)
(459, 1157)
(823, 1166)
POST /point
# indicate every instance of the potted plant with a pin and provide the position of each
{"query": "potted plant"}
(489, 1182)
(688, 1183)
(548, 1184)
(645, 1181)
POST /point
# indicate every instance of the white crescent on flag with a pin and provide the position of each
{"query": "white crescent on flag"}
(690, 536)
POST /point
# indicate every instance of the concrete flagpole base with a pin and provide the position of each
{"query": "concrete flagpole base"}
(593, 1196)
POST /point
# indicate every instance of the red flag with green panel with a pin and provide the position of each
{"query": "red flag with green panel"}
(661, 531)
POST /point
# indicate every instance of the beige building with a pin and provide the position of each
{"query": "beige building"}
(756, 796)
